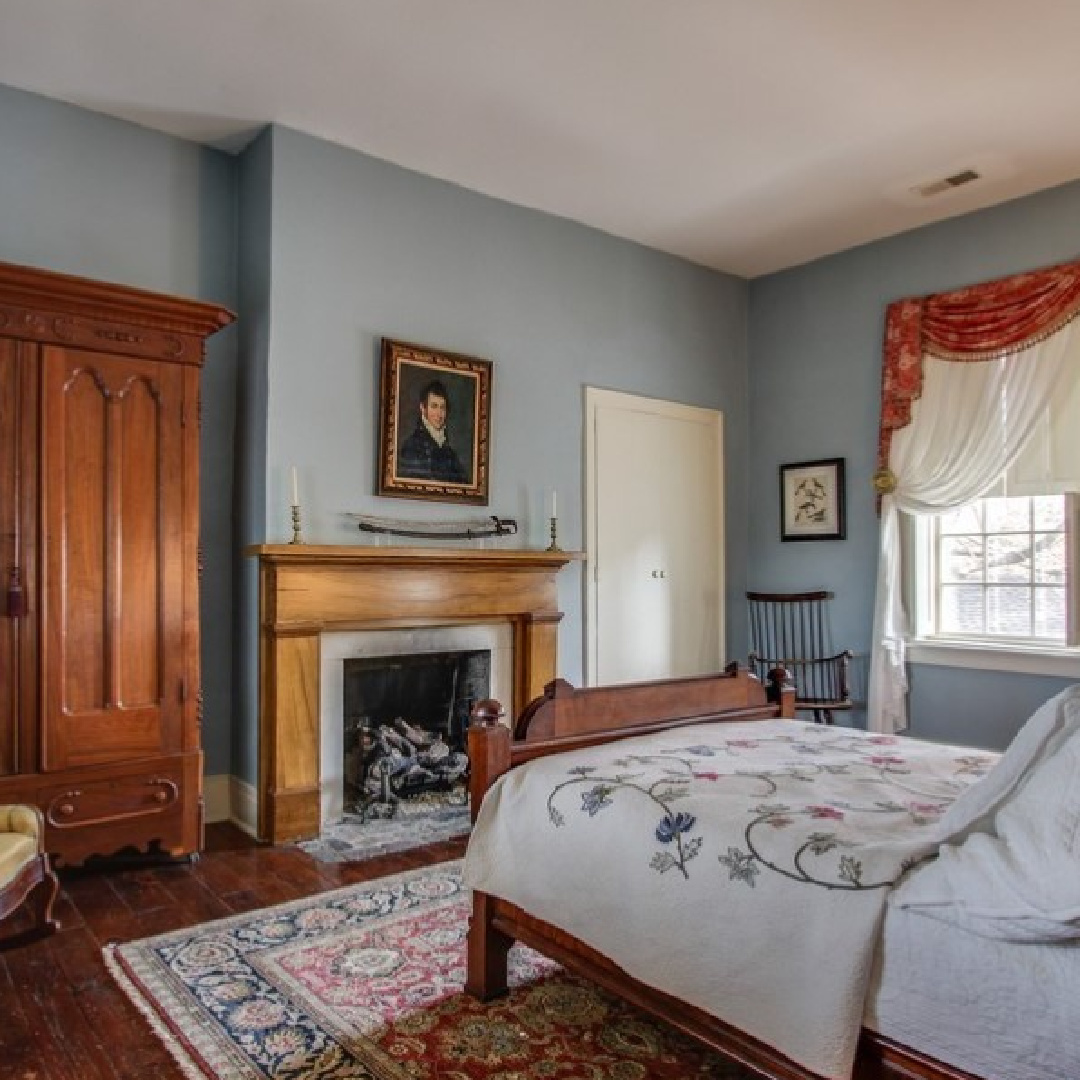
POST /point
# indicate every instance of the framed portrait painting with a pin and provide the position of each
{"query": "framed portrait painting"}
(812, 500)
(434, 424)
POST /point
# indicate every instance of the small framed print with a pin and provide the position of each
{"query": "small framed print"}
(434, 424)
(812, 500)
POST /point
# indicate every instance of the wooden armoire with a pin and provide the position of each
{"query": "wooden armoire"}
(99, 519)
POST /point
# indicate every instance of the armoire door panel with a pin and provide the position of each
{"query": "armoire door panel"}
(112, 663)
(9, 544)
(115, 734)
(140, 575)
(81, 541)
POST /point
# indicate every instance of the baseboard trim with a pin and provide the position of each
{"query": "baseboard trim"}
(245, 805)
(228, 798)
(217, 798)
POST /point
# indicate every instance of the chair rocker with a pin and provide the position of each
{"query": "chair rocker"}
(791, 631)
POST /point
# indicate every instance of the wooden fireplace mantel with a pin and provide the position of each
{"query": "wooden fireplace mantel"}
(306, 590)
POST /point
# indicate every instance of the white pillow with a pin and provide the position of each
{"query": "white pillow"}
(1020, 881)
(1043, 732)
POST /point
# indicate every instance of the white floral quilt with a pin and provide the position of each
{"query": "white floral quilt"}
(740, 867)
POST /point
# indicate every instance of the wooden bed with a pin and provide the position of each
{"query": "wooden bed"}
(567, 719)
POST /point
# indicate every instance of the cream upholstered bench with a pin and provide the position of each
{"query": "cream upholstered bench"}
(24, 867)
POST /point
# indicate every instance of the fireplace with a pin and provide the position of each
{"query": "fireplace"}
(405, 718)
(315, 601)
(369, 649)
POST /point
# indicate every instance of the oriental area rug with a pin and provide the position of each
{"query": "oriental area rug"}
(365, 983)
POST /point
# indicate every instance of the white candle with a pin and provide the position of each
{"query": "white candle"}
(295, 488)
(554, 504)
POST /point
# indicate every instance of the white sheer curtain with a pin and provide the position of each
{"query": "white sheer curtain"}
(970, 424)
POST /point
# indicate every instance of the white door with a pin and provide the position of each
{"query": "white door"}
(654, 538)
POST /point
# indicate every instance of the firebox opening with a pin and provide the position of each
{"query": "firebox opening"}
(405, 719)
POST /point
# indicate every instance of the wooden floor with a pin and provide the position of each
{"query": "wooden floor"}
(62, 1016)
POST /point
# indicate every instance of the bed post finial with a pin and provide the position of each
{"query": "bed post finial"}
(489, 750)
(488, 711)
(782, 691)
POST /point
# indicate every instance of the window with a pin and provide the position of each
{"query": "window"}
(1001, 572)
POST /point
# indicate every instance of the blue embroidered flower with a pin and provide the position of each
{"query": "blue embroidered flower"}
(594, 800)
(700, 751)
(673, 824)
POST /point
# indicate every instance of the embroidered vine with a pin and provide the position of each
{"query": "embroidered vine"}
(818, 845)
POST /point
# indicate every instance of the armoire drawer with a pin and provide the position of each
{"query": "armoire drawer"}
(103, 802)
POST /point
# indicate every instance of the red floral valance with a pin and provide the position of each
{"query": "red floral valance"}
(981, 322)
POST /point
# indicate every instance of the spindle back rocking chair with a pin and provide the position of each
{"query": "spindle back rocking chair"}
(792, 631)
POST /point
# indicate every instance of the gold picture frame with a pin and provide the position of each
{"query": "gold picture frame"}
(434, 424)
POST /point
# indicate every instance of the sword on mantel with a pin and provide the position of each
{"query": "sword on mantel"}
(476, 529)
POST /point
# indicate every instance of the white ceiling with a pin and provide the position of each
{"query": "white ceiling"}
(745, 135)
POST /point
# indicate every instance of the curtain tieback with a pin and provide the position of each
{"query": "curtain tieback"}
(884, 481)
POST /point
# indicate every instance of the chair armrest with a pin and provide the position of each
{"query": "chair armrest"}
(23, 819)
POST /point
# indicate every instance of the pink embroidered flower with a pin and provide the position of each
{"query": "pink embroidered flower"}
(779, 821)
(886, 759)
(925, 808)
(706, 776)
(826, 812)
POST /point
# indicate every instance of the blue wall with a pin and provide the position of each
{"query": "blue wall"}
(815, 382)
(325, 251)
(84, 194)
(363, 249)
(255, 263)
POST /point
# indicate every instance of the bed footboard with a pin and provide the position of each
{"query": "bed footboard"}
(497, 924)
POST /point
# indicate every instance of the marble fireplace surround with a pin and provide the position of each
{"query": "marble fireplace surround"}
(337, 647)
(312, 597)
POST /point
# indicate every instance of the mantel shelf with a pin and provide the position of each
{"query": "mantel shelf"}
(369, 555)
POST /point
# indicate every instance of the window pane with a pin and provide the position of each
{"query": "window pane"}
(967, 520)
(1050, 558)
(1008, 611)
(1008, 558)
(961, 609)
(1007, 515)
(1048, 512)
(1002, 569)
(1051, 614)
(961, 558)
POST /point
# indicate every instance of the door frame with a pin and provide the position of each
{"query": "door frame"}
(595, 398)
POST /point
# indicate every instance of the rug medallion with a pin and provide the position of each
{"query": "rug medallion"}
(366, 983)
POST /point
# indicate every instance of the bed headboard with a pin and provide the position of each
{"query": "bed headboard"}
(564, 718)
(565, 710)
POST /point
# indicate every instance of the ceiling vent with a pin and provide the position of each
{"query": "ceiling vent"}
(937, 187)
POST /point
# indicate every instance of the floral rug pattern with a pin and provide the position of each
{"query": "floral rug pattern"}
(366, 983)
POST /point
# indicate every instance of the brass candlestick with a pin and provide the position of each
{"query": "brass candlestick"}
(554, 545)
(296, 537)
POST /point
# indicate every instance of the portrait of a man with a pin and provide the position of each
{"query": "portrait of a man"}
(434, 424)
(427, 454)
